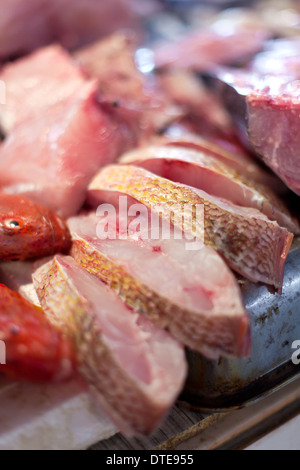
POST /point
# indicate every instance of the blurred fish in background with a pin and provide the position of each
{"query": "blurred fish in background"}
(27, 25)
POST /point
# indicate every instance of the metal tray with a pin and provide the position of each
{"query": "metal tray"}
(275, 319)
(231, 384)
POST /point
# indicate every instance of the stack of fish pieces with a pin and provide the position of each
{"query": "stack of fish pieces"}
(122, 308)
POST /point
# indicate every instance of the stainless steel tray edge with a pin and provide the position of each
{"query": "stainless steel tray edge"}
(275, 320)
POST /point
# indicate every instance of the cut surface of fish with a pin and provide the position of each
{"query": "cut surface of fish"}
(203, 171)
(251, 244)
(52, 158)
(191, 293)
(135, 370)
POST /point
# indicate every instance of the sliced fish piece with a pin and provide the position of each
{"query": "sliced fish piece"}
(273, 128)
(228, 152)
(52, 158)
(138, 98)
(251, 244)
(203, 171)
(35, 83)
(25, 26)
(266, 110)
(191, 292)
(135, 369)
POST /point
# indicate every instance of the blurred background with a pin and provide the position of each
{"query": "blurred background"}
(24, 26)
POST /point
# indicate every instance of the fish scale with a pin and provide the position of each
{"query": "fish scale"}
(135, 389)
(231, 230)
(204, 170)
(207, 316)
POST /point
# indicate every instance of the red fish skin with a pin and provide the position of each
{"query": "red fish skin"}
(29, 230)
(35, 350)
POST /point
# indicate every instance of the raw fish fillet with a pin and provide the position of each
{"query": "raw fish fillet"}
(268, 118)
(252, 245)
(35, 83)
(52, 158)
(23, 26)
(192, 293)
(203, 171)
(135, 369)
(226, 151)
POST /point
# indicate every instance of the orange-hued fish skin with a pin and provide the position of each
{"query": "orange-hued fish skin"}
(202, 170)
(193, 294)
(29, 230)
(35, 350)
(134, 369)
(251, 244)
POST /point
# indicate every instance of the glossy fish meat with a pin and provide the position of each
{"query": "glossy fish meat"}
(203, 171)
(193, 294)
(37, 82)
(224, 150)
(35, 350)
(134, 369)
(202, 109)
(139, 99)
(29, 230)
(252, 245)
(52, 157)
(266, 110)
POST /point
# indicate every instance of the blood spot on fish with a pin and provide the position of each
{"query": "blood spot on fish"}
(156, 249)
